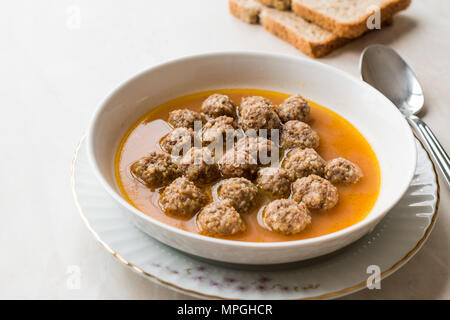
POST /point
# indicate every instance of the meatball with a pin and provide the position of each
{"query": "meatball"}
(294, 108)
(276, 181)
(303, 162)
(222, 126)
(260, 148)
(315, 192)
(286, 216)
(255, 101)
(341, 170)
(240, 191)
(258, 113)
(218, 105)
(185, 118)
(198, 165)
(155, 170)
(182, 198)
(238, 163)
(297, 134)
(220, 219)
(178, 141)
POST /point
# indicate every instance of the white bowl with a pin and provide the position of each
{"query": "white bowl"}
(367, 109)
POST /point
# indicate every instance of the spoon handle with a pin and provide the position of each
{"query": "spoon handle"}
(440, 157)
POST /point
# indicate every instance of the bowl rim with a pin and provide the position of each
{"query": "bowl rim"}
(238, 243)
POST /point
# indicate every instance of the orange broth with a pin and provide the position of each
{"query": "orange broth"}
(338, 138)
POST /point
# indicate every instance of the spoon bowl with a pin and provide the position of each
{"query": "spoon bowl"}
(384, 69)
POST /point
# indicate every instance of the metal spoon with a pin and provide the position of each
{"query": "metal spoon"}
(385, 70)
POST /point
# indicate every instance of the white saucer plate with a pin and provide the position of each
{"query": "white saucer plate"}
(388, 247)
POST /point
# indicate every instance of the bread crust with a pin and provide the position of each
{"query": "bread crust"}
(245, 13)
(312, 49)
(349, 29)
(277, 4)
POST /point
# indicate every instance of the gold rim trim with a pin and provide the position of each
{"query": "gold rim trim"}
(338, 293)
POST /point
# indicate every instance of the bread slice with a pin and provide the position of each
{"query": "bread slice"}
(347, 18)
(277, 4)
(306, 36)
(246, 10)
(302, 34)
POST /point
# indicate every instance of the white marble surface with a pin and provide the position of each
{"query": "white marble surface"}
(59, 59)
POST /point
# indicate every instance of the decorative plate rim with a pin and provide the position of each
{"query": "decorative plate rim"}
(335, 294)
